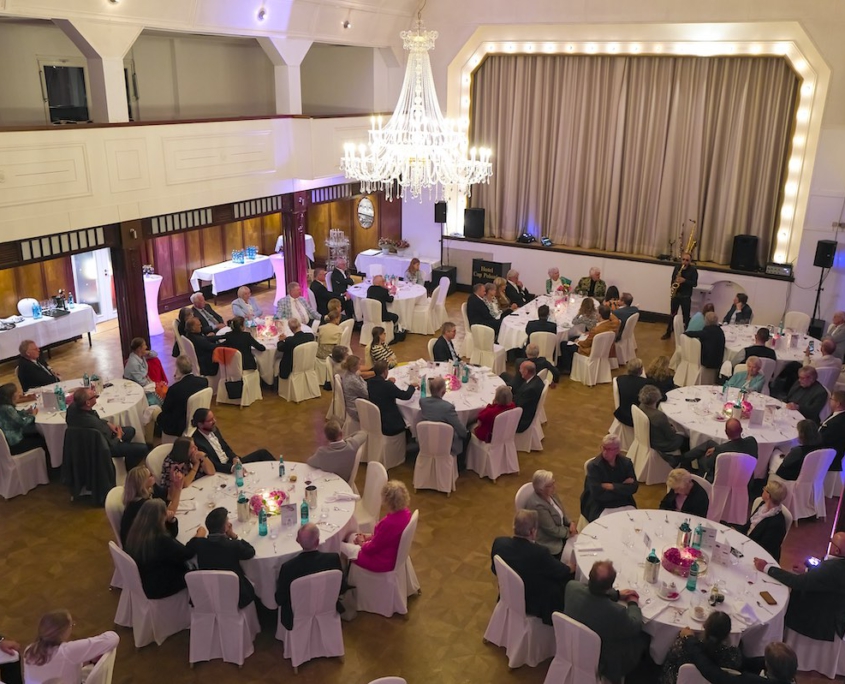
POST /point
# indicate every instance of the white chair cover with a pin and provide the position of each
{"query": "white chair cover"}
(828, 377)
(302, 383)
(150, 619)
(355, 466)
(595, 368)
(797, 321)
(197, 400)
(467, 350)
(484, 351)
(435, 468)
(337, 407)
(176, 336)
(219, 629)
(114, 513)
(522, 495)
(805, 497)
(499, 456)
(834, 483)
(234, 371)
(389, 450)
(440, 315)
(729, 494)
(689, 674)
(704, 484)
(626, 347)
(648, 463)
(368, 506)
(424, 321)
(325, 370)
(431, 343)
(191, 353)
(625, 433)
(346, 335)
(103, 671)
(316, 629)
(577, 651)
(155, 460)
(371, 311)
(547, 343)
(21, 473)
(689, 369)
(387, 593)
(678, 330)
(532, 438)
(821, 656)
(526, 640)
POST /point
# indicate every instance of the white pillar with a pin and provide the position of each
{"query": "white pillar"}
(286, 55)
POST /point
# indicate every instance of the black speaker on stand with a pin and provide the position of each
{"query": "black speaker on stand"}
(440, 212)
(825, 256)
(474, 223)
(744, 254)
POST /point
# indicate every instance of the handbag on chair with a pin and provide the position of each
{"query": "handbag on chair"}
(235, 388)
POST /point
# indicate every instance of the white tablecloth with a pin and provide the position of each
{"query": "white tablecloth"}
(309, 245)
(467, 403)
(44, 331)
(512, 332)
(124, 403)
(393, 264)
(404, 301)
(738, 337)
(268, 360)
(229, 275)
(698, 420)
(334, 519)
(741, 583)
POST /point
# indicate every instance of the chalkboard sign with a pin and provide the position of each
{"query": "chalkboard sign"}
(484, 271)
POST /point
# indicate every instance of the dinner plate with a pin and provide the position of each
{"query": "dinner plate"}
(669, 598)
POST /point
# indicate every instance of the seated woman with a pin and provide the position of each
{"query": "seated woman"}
(501, 299)
(353, 385)
(53, 657)
(138, 371)
(554, 527)
(661, 376)
(185, 313)
(629, 386)
(502, 401)
(413, 275)
(611, 297)
(808, 440)
(380, 350)
(554, 283)
(376, 552)
(338, 356)
(491, 301)
(697, 321)
(329, 334)
(739, 312)
(140, 486)
(751, 379)
(586, 319)
(767, 524)
(19, 426)
(245, 305)
(335, 305)
(184, 458)
(685, 495)
(240, 339)
(715, 642)
(162, 560)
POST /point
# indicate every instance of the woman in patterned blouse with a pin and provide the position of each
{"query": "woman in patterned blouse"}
(380, 350)
(18, 426)
(185, 458)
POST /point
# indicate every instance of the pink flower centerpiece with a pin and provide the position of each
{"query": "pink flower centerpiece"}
(678, 561)
(746, 409)
(452, 383)
(269, 501)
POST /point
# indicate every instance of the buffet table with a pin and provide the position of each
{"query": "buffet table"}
(230, 276)
(393, 264)
(47, 330)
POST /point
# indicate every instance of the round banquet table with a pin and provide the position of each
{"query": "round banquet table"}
(698, 420)
(404, 301)
(512, 332)
(124, 403)
(334, 518)
(620, 537)
(468, 402)
(738, 337)
(267, 361)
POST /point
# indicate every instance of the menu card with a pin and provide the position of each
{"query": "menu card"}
(721, 553)
(288, 514)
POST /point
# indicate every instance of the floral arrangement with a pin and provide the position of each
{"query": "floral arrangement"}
(746, 409)
(271, 502)
(678, 561)
(148, 269)
(564, 288)
(267, 330)
(452, 383)
(393, 245)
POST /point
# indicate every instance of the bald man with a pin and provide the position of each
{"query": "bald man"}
(380, 293)
(707, 452)
(836, 332)
(817, 602)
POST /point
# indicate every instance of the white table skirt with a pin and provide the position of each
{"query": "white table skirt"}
(229, 275)
(404, 301)
(124, 404)
(309, 245)
(512, 332)
(738, 337)
(741, 583)
(394, 264)
(335, 520)
(44, 331)
(698, 420)
(267, 361)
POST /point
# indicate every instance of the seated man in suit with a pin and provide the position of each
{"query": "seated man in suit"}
(515, 291)
(321, 293)
(444, 347)
(779, 664)
(544, 577)
(662, 435)
(532, 353)
(217, 547)
(759, 348)
(712, 339)
(32, 370)
(836, 332)
(832, 430)
(204, 346)
(380, 293)
(436, 409)
(592, 285)
(610, 481)
(384, 393)
(173, 417)
(629, 386)
(478, 313)
(341, 282)
(309, 562)
(612, 614)
(625, 311)
(707, 452)
(739, 312)
(81, 414)
(210, 320)
(807, 394)
(294, 305)
(527, 396)
(209, 440)
(338, 456)
(287, 343)
(542, 323)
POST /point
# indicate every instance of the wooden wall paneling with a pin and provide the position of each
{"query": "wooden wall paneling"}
(194, 258)
(164, 267)
(212, 246)
(319, 224)
(252, 233)
(233, 238)
(29, 280)
(390, 213)
(58, 274)
(364, 238)
(271, 228)
(179, 259)
(9, 296)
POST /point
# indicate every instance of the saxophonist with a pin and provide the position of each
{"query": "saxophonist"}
(684, 279)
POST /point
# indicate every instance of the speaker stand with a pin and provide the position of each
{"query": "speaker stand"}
(819, 291)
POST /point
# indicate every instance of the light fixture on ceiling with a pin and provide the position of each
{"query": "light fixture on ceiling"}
(262, 13)
(418, 147)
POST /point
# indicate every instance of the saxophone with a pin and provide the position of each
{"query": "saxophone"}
(691, 243)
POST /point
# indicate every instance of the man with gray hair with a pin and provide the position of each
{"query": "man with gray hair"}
(436, 409)
(210, 320)
(173, 417)
(662, 435)
(294, 305)
(381, 294)
(541, 363)
(610, 481)
(515, 291)
(543, 576)
(527, 397)
(712, 339)
(287, 343)
(836, 332)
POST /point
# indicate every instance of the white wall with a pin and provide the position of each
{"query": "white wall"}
(337, 79)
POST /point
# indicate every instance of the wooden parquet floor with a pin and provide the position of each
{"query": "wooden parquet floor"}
(53, 553)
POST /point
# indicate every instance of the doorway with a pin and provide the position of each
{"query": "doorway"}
(93, 280)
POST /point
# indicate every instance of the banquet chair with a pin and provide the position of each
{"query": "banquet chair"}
(337, 406)
(834, 483)
(114, 513)
(649, 465)
(425, 317)
(547, 343)
(325, 370)
(678, 330)
(191, 353)
(688, 371)
(174, 324)
(103, 671)
(371, 310)
(624, 432)
(88, 466)
(525, 638)
(232, 372)
(150, 619)
(389, 450)
(155, 460)
(689, 674)
(368, 506)
(302, 383)
(825, 657)
(467, 347)
(197, 400)
(729, 494)
(577, 651)
(219, 629)
(485, 352)
(499, 455)
(440, 314)
(767, 368)
(386, 593)
(626, 347)
(316, 629)
(595, 368)
(346, 336)
(522, 495)
(532, 438)
(827, 377)
(430, 347)
(805, 496)
(797, 321)
(309, 294)
(435, 467)
(23, 472)
(357, 464)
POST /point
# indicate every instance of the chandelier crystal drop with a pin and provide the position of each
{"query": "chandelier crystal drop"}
(418, 147)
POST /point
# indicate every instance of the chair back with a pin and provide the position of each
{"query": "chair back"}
(630, 326)
(103, 671)
(155, 460)
(127, 569)
(483, 338)
(176, 336)
(691, 350)
(368, 356)
(432, 301)
(678, 328)
(373, 484)
(358, 456)
(406, 540)
(739, 368)
(369, 416)
(312, 300)
(443, 292)
(346, 335)
(579, 646)
(315, 594)
(828, 377)
(88, 464)
(797, 321)
(602, 344)
(371, 310)
(431, 343)
(338, 400)
(233, 370)
(734, 470)
(641, 427)
(504, 426)
(689, 674)
(213, 592)
(114, 510)
(389, 680)
(7, 466)
(305, 357)
(615, 394)
(467, 351)
(546, 342)
(435, 439)
(704, 484)
(815, 466)
(767, 368)
(197, 400)
(511, 586)
(188, 350)
(522, 495)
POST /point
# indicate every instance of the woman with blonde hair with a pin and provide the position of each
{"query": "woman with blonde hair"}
(140, 486)
(661, 376)
(685, 495)
(553, 525)
(501, 298)
(587, 316)
(53, 657)
(377, 552)
(767, 524)
(413, 275)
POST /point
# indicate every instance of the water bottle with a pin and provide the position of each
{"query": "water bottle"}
(780, 328)
(692, 580)
(465, 374)
(60, 398)
(303, 512)
(36, 310)
(70, 300)
(239, 474)
(281, 466)
(423, 385)
(697, 536)
(86, 380)
(262, 523)
(652, 568)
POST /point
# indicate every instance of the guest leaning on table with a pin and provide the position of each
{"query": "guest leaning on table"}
(685, 495)
(19, 426)
(807, 395)
(553, 525)
(377, 552)
(767, 525)
(610, 481)
(140, 487)
(714, 642)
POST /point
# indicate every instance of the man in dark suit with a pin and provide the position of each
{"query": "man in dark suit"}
(515, 291)
(173, 417)
(778, 666)
(32, 370)
(707, 452)
(610, 481)
(436, 409)
(542, 323)
(204, 346)
(532, 353)
(478, 313)
(287, 344)
(629, 386)
(662, 435)
(685, 275)
(322, 296)
(81, 414)
(759, 348)
(341, 282)
(309, 562)
(739, 312)
(817, 602)
(444, 347)
(381, 294)
(712, 339)
(624, 312)
(209, 440)
(222, 550)
(527, 397)
(832, 430)
(384, 393)
(210, 320)
(543, 576)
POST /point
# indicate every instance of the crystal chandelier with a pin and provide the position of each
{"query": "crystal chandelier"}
(417, 148)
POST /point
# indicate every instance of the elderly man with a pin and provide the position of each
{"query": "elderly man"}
(592, 285)
(625, 311)
(379, 291)
(832, 429)
(827, 357)
(543, 576)
(712, 339)
(527, 395)
(210, 320)
(836, 332)
(515, 291)
(384, 393)
(444, 346)
(32, 370)
(204, 346)
(287, 343)
(294, 305)
(245, 305)
(321, 293)
(684, 280)
(478, 313)
(341, 281)
(436, 409)
(629, 386)
(779, 664)
(554, 282)
(610, 481)
(739, 312)
(612, 614)
(662, 435)
(759, 348)
(338, 455)
(541, 323)
(807, 395)
(173, 417)
(532, 353)
(707, 452)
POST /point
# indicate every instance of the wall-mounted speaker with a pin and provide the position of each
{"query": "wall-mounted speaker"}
(825, 253)
(440, 212)
(474, 223)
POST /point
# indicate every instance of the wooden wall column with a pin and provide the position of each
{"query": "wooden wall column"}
(294, 226)
(127, 264)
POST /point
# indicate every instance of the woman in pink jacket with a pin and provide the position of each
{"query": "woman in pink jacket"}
(379, 549)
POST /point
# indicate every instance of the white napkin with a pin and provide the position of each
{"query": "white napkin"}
(185, 506)
(745, 614)
(587, 548)
(342, 496)
(653, 609)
